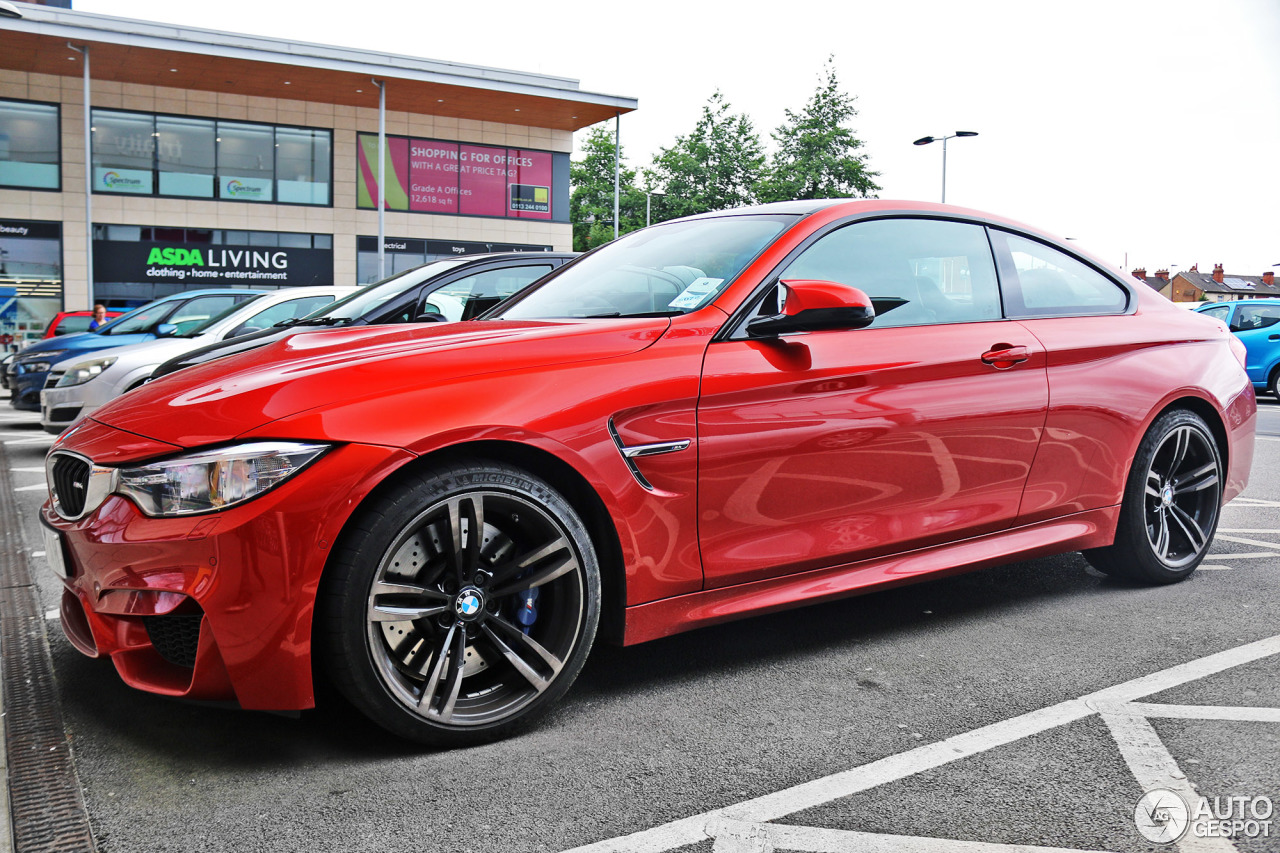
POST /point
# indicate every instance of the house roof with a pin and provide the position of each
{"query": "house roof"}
(1241, 285)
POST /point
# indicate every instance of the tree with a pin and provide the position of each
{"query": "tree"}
(591, 193)
(816, 150)
(716, 166)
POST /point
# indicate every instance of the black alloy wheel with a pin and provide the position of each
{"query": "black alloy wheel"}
(463, 605)
(1171, 503)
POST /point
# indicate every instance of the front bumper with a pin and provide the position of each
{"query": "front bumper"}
(26, 390)
(217, 606)
(60, 408)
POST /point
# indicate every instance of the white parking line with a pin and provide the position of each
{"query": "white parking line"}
(31, 488)
(739, 837)
(48, 439)
(1249, 503)
(770, 807)
(1252, 555)
(39, 469)
(1267, 438)
(1241, 529)
(1239, 541)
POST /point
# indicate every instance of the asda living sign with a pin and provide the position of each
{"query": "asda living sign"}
(210, 266)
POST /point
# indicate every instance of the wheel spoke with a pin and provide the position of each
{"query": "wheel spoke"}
(1201, 478)
(398, 602)
(1162, 537)
(1189, 527)
(1153, 484)
(525, 644)
(559, 560)
(440, 669)
(466, 529)
(1182, 441)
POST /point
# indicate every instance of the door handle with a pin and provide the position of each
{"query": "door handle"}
(1004, 356)
(1273, 337)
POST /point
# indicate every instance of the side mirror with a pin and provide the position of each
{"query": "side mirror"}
(431, 317)
(166, 330)
(816, 306)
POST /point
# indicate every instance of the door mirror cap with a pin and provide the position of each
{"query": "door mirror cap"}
(166, 330)
(816, 306)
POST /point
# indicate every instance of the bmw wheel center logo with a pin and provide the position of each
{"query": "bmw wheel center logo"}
(469, 603)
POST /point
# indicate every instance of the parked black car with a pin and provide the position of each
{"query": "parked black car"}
(451, 289)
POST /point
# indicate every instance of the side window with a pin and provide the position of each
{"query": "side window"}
(469, 297)
(1050, 283)
(293, 309)
(1218, 312)
(195, 312)
(941, 271)
(1252, 317)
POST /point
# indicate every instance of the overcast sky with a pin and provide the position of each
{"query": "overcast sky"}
(1148, 128)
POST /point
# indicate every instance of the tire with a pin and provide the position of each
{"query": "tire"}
(1274, 385)
(450, 640)
(1171, 503)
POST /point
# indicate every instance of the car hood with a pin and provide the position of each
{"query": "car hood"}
(151, 351)
(221, 400)
(86, 342)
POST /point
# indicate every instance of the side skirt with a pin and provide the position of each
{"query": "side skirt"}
(1090, 529)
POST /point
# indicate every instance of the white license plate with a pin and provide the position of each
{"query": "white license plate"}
(53, 550)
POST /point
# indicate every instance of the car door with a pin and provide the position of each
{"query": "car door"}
(1258, 328)
(821, 448)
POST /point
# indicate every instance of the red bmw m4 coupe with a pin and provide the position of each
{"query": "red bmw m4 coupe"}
(717, 416)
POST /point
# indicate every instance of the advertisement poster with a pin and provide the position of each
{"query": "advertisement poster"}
(244, 189)
(434, 176)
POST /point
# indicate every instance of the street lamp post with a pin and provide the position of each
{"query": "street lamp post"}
(925, 140)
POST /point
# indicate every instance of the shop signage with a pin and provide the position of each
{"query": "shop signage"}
(32, 230)
(122, 180)
(396, 245)
(210, 266)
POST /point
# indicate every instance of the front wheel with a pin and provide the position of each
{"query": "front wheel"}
(1170, 508)
(462, 604)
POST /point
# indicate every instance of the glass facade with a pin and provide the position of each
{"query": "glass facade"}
(29, 152)
(184, 157)
(30, 278)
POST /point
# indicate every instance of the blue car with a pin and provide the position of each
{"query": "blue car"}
(1256, 322)
(171, 315)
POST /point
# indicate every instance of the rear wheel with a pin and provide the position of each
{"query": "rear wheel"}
(462, 605)
(1274, 385)
(1171, 503)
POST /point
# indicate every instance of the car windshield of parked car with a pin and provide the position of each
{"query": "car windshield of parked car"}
(367, 299)
(218, 317)
(139, 321)
(665, 270)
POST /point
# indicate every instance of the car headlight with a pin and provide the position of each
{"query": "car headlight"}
(84, 371)
(212, 480)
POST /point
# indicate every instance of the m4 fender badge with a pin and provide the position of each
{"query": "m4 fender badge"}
(635, 451)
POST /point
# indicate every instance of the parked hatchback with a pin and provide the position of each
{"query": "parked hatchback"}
(1256, 322)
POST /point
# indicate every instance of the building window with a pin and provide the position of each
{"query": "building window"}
(29, 152)
(124, 146)
(183, 157)
(302, 165)
(246, 161)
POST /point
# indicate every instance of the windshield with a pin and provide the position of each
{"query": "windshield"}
(221, 315)
(368, 298)
(141, 320)
(668, 269)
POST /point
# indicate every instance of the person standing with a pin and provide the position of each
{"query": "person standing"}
(99, 317)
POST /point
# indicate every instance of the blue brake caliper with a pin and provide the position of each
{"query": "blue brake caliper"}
(528, 612)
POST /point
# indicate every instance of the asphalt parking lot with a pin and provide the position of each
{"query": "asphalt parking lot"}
(1019, 707)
